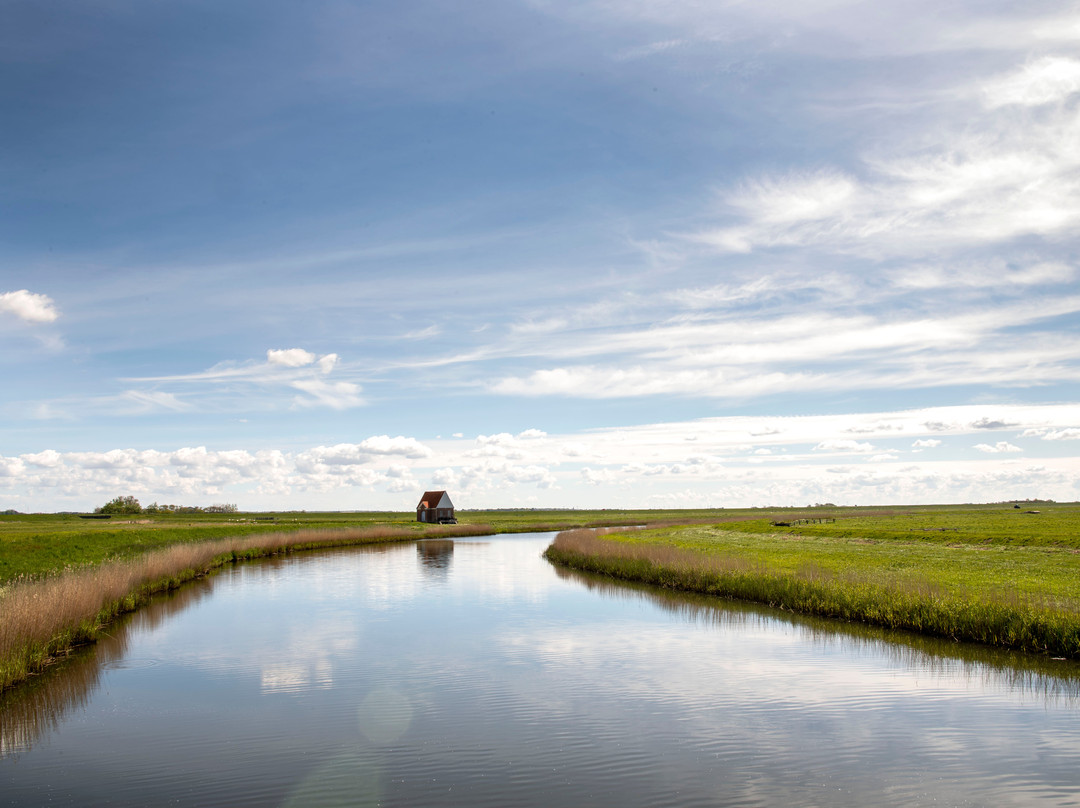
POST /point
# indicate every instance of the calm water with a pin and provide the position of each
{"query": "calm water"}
(475, 674)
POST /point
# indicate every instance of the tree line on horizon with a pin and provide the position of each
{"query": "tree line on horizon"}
(130, 505)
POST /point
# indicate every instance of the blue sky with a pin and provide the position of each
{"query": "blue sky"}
(539, 253)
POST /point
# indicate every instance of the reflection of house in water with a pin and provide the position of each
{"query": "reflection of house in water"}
(436, 555)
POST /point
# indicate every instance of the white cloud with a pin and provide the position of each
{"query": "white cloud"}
(844, 446)
(50, 458)
(352, 454)
(293, 368)
(1048, 80)
(1000, 446)
(748, 353)
(986, 274)
(926, 443)
(1006, 171)
(291, 357)
(1071, 433)
(798, 197)
(29, 307)
(336, 395)
(11, 467)
(327, 363)
(540, 476)
(385, 445)
(596, 476)
(153, 400)
(423, 333)
(445, 477)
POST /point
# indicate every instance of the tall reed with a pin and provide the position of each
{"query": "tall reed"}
(1006, 619)
(43, 618)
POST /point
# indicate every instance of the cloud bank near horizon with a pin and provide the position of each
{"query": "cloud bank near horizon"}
(742, 461)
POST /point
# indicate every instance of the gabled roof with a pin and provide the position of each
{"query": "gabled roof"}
(431, 499)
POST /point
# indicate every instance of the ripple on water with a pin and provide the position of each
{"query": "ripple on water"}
(130, 664)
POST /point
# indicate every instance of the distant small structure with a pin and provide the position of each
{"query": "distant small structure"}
(435, 506)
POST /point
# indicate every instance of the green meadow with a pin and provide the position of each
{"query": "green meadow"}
(34, 545)
(993, 574)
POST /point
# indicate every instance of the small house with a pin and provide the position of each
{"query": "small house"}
(435, 506)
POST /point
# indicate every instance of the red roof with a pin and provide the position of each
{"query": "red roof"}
(430, 499)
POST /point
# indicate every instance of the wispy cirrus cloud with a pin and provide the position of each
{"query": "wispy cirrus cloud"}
(1016, 174)
(285, 368)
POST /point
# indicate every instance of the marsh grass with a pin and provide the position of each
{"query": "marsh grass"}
(1004, 617)
(42, 618)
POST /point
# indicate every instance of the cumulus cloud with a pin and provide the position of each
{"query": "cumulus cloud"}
(11, 467)
(385, 445)
(1070, 433)
(926, 443)
(50, 458)
(540, 476)
(596, 476)
(1000, 446)
(28, 307)
(200, 472)
(507, 446)
(290, 357)
(351, 454)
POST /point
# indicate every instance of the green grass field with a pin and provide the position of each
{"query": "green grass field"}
(32, 545)
(990, 550)
(991, 574)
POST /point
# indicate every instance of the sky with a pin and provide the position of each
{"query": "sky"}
(600, 253)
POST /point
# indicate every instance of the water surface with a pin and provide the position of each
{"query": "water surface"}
(474, 673)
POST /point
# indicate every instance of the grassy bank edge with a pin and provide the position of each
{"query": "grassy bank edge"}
(43, 620)
(1007, 622)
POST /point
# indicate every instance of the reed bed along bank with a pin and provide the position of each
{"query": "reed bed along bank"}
(43, 618)
(1005, 619)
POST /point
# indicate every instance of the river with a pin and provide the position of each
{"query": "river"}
(473, 673)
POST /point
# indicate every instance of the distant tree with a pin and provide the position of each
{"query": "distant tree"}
(120, 505)
(223, 508)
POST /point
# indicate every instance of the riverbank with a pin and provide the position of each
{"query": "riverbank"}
(40, 545)
(44, 618)
(973, 586)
